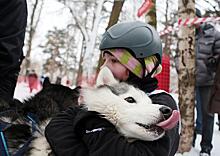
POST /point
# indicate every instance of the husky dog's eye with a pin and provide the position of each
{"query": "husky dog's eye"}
(130, 99)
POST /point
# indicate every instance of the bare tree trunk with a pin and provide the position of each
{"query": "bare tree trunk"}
(90, 45)
(151, 16)
(116, 10)
(89, 36)
(80, 69)
(186, 75)
(33, 26)
(85, 40)
(166, 40)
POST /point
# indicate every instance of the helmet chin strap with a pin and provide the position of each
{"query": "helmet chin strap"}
(152, 72)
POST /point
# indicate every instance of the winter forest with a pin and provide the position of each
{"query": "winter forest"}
(63, 36)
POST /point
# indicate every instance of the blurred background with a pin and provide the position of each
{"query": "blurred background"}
(62, 43)
(62, 36)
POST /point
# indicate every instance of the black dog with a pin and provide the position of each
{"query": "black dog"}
(25, 122)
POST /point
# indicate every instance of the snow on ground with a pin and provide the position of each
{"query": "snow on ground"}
(22, 92)
(216, 142)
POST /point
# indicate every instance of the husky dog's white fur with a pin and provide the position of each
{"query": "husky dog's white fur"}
(126, 107)
(40, 146)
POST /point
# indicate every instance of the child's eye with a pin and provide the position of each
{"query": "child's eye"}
(114, 60)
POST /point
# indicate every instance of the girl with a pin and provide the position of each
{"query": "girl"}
(132, 51)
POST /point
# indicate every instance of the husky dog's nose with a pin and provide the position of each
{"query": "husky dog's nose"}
(166, 111)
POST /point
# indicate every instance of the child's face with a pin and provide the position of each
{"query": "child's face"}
(119, 71)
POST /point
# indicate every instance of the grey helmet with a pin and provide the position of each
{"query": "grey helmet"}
(140, 38)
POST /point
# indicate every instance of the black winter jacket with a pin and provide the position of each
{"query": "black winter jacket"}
(67, 135)
(13, 20)
(207, 54)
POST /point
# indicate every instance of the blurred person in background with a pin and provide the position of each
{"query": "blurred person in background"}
(207, 53)
(214, 105)
(58, 80)
(33, 81)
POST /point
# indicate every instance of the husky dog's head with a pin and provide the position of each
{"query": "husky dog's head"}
(126, 107)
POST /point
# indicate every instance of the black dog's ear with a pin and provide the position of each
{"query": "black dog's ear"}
(76, 90)
(46, 82)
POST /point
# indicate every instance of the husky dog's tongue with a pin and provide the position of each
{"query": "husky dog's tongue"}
(171, 121)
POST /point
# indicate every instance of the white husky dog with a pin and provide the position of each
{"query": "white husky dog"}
(128, 108)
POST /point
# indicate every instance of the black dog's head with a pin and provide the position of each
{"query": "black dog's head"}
(62, 95)
(53, 98)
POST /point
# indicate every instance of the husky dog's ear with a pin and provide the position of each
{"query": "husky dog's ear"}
(105, 76)
(46, 82)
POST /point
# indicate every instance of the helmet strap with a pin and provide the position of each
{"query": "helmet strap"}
(143, 66)
(153, 70)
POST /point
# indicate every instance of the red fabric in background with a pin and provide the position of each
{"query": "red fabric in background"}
(164, 77)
